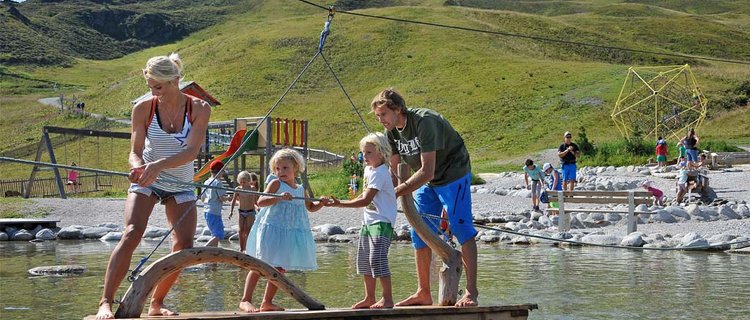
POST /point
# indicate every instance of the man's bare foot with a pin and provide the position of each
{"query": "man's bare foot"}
(159, 309)
(382, 304)
(417, 299)
(364, 304)
(267, 306)
(247, 306)
(468, 300)
(105, 310)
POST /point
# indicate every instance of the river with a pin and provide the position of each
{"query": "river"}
(566, 283)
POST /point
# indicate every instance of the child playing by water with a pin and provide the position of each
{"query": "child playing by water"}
(213, 200)
(658, 194)
(530, 170)
(379, 202)
(281, 236)
(247, 208)
(682, 178)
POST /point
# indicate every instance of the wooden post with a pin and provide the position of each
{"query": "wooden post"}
(294, 132)
(563, 224)
(450, 272)
(277, 123)
(632, 223)
(135, 298)
(286, 131)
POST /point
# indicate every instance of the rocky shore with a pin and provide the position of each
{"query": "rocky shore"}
(500, 204)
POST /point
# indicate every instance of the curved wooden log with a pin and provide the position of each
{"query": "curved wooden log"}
(135, 298)
(450, 272)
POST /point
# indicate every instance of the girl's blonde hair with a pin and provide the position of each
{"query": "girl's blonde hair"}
(244, 175)
(288, 154)
(163, 68)
(380, 142)
(389, 98)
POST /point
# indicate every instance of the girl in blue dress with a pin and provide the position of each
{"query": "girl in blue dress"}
(281, 235)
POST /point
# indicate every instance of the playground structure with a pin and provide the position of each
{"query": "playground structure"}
(71, 135)
(272, 135)
(659, 101)
(268, 137)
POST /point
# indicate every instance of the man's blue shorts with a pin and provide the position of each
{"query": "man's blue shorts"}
(569, 172)
(215, 225)
(455, 197)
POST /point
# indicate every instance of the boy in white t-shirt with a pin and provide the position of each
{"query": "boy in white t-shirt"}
(379, 201)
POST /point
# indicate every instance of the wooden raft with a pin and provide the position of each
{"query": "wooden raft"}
(505, 312)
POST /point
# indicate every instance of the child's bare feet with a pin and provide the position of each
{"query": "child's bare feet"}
(364, 304)
(159, 309)
(105, 310)
(268, 306)
(383, 304)
(468, 300)
(247, 306)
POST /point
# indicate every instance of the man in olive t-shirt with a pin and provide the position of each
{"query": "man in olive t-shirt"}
(441, 181)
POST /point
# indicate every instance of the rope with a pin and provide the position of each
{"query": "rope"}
(595, 244)
(345, 93)
(538, 38)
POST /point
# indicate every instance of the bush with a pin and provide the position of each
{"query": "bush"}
(586, 146)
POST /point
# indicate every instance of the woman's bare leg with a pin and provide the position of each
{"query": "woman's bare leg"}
(182, 238)
(138, 208)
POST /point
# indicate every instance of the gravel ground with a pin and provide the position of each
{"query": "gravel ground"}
(732, 186)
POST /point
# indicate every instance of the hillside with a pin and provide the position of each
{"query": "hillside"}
(45, 32)
(507, 96)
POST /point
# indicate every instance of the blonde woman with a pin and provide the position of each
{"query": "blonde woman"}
(166, 134)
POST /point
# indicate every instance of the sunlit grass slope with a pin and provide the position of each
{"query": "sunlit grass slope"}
(507, 96)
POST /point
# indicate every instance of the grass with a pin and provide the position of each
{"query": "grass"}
(19, 208)
(508, 97)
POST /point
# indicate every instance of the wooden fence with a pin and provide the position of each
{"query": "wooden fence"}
(47, 187)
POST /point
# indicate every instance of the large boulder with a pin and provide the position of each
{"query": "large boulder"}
(155, 232)
(662, 216)
(70, 233)
(693, 239)
(634, 239)
(112, 236)
(726, 213)
(604, 239)
(22, 235)
(329, 229)
(96, 232)
(45, 234)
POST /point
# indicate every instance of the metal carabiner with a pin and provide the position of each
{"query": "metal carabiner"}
(331, 12)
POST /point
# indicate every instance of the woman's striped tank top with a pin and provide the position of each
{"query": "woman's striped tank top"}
(160, 144)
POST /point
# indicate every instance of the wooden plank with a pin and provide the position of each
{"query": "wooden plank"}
(29, 223)
(88, 132)
(600, 211)
(584, 193)
(602, 200)
(502, 312)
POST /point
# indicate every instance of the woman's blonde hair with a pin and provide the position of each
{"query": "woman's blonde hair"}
(389, 98)
(244, 175)
(380, 142)
(163, 68)
(288, 154)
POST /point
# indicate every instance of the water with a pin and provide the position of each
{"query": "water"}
(577, 283)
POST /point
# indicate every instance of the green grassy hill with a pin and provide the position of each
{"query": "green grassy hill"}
(507, 96)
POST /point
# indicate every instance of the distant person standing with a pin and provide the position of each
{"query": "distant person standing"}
(568, 153)
(691, 146)
(555, 181)
(661, 152)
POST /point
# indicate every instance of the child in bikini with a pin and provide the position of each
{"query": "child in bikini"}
(247, 204)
